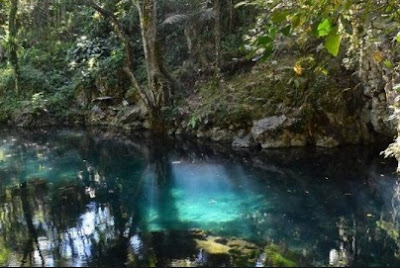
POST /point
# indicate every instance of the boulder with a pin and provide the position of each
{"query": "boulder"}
(275, 132)
(266, 125)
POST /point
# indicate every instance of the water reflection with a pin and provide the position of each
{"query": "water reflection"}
(77, 198)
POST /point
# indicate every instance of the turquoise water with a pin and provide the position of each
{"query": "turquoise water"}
(90, 198)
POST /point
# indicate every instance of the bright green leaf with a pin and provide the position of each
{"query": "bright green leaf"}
(324, 28)
(388, 64)
(332, 42)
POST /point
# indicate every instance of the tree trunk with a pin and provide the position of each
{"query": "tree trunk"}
(159, 81)
(217, 32)
(12, 42)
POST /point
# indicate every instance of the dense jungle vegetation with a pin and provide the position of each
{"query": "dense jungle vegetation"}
(269, 73)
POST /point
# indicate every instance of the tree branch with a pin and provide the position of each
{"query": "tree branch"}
(127, 46)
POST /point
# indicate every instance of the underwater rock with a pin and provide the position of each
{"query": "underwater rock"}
(212, 247)
(182, 263)
(238, 251)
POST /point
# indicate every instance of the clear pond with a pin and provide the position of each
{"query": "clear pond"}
(90, 198)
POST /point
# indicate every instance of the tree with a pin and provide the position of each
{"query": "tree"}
(159, 81)
(159, 90)
(12, 42)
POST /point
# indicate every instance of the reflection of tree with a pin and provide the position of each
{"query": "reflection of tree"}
(33, 237)
(94, 211)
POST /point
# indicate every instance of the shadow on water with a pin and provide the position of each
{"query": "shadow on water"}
(91, 198)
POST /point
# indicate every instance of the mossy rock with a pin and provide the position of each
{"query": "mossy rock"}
(240, 252)
(278, 257)
(212, 247)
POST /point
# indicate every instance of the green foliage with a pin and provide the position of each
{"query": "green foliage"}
(36, 104)
(329, 21)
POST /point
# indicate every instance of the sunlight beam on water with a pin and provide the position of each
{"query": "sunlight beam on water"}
(204, 195)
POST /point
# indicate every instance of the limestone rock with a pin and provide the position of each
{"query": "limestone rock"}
(267, 124)
(243, 142)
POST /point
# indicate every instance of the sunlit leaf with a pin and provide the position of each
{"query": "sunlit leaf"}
(332, 42)
(324, 28)
(298, 69)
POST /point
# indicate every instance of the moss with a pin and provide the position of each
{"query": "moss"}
(276, 257)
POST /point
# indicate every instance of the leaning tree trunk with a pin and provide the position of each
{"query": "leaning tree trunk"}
(159, 82)
(12, 42)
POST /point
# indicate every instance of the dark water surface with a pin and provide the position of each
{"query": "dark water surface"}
(88, 198)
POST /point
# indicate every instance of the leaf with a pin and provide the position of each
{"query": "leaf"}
(279, 16)
(398, 37)
(388, 64)
(264, 40)
(332, 42)
(324, 28)
(298, 69)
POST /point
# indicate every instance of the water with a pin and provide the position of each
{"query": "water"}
(89, 198)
